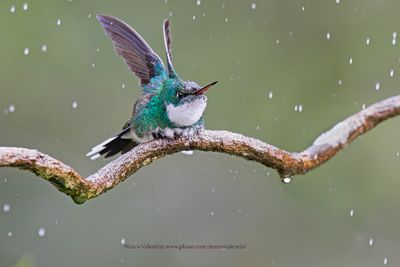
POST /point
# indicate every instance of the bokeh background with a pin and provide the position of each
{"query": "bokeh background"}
(287, 71)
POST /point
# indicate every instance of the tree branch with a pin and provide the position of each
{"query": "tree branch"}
(68, 181)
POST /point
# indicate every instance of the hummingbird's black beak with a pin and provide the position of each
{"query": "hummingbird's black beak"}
(205, 88)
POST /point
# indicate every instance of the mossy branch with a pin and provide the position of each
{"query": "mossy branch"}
(80, 189)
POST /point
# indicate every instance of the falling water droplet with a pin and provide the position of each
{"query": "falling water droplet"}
(187, 152)
(253, 6)
(270, 95)
(198, 2)
(340, 82)
(123, 241)
(212, 213)
(58, 22)
(350, 60)
(11, 108)
(385, 261)
(6, 207)
(377, 86)
(371, 242)
(394, 38)
(363, 106)
(25, 6)
(194, 17)
(391, 73)
(367, 41)
(328, 36)
(123, 86)
(41, 232)
(12, 9)
(74, 105)
(26, 51)
(351, 213)
(212, 190)
(44, 48)
(337, 1)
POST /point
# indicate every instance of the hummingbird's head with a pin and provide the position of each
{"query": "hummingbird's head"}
(185, 102)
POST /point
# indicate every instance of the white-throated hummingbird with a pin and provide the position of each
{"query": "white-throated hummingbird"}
(168, 107)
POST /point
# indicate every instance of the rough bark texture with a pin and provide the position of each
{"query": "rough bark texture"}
(68, 181)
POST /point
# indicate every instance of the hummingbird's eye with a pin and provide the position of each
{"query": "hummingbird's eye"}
(179, 94)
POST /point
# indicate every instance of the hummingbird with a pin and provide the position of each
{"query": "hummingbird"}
(168, 107)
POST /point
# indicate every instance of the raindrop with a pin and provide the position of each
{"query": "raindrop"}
(41, 232)
(12, 9)
(398, 154)
(170, 14)
(385, 261)
(74, 105)
(25, 6)
(367, 41)
(123, 241)
(9, 234)
(212, 213)
(92, 65)
(337, 1)
(350, 60)
(97, 49)
(194, 17)
(226, 19)
(239, 211)
(58, 22)
(377, 86)
(363, 106)
(6, 207)
(44, 48)
(287, 179)
(351, 213)
(11, 108)
(391, 73)
(328, 36)
(212, 190)
(26, 51)
(303, 8)
(298, 108)
(394, 38)
(258, 127)
(253, 6)
(89, 16)
(198, 2)
(187, 152)
(371, 242)
(270, 95)
(123, 86)
(340, 82)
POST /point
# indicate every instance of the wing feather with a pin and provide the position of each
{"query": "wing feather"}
(137, 54)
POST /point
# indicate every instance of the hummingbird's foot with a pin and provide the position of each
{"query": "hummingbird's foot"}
(173, 133)
(167, 133)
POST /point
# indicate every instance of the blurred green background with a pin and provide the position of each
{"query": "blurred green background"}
(330, 57)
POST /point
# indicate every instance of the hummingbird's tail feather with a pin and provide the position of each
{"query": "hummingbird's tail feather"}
(113, 145)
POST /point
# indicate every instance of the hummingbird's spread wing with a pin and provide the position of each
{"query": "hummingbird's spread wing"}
(138, 55)
(167, 44)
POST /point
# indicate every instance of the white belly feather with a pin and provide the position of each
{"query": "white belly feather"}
(186, 114)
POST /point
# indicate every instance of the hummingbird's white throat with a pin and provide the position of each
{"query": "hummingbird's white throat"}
(188, 113)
